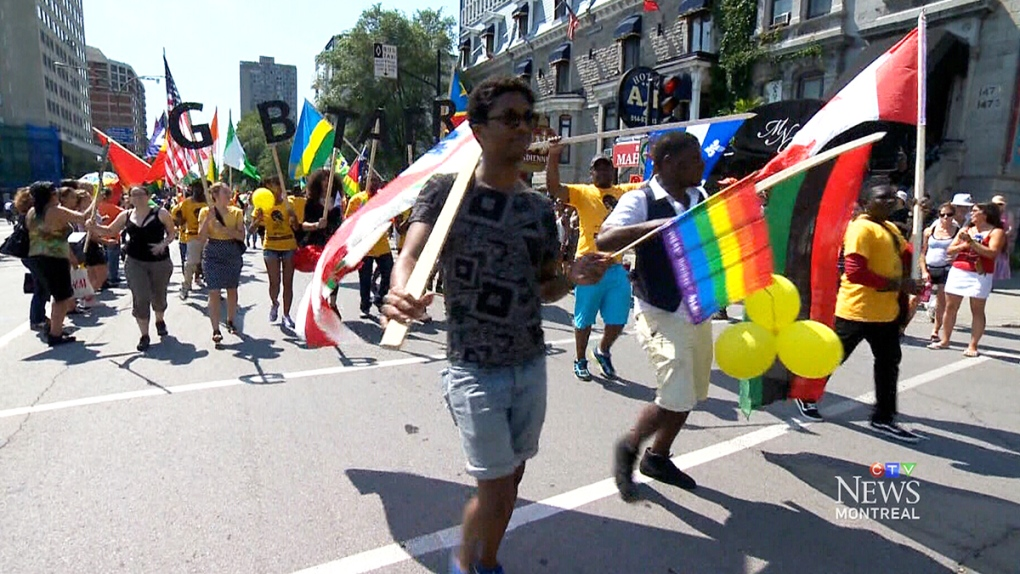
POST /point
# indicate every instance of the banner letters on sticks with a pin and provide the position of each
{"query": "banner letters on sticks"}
(202, 131)
(341, 115)
(280, 118)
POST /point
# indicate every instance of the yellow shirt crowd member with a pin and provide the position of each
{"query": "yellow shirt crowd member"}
(299, 202)
(279, 233)
(401, 229)
(590, 203)
(189, 210)
(233, 219)
(883, 247)
(382, 247)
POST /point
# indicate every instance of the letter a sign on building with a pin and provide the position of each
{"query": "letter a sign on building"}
(385, 61)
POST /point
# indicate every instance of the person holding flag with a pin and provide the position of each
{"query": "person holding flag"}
(278, 249)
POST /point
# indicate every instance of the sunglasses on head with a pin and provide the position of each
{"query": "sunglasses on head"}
(513, 120)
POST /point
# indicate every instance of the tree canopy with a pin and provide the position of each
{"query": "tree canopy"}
(249, 132)
(353, 85)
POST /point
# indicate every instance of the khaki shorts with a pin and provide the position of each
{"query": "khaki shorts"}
(681, 354)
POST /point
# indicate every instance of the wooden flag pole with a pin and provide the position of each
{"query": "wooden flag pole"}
(396, 332)
(919, 150)
(329, 185)
(772, 180)
(357, 154)
(624, 132)
(371, 157)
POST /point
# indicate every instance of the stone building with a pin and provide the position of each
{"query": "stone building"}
(117, 99)
(973, 45)
(576, 82)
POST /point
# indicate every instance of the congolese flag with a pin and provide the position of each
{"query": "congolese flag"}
(316, 322)
(713, 135)
(313, 143)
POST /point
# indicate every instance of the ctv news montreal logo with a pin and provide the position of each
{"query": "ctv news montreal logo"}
(888, 493)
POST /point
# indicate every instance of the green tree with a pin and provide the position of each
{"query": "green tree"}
(739, 50)
(353, 84)
(260, 154)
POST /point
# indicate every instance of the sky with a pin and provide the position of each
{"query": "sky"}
(205, 41)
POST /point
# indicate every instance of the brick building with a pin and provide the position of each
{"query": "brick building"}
(577, 82)
(117, 99)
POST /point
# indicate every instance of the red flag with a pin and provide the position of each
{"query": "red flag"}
(158, 169)
(131, 169)
(651, 6)
(886, 91)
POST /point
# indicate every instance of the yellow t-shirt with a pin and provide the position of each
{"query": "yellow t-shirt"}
(279, 233)
(189, 210)
(884, 254)
(402, 235)
(299, 201)
(382, 247)
(230, 218)
(592, 211)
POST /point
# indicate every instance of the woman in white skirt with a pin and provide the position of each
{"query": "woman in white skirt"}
(975, 249)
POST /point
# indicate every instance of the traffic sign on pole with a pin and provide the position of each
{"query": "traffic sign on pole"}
(385, 61)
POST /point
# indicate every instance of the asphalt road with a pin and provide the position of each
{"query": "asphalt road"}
(264, 456)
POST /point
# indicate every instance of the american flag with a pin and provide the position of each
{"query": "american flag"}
(178, 159)
(572, 22)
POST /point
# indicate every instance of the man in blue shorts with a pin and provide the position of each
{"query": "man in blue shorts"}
(612, 295)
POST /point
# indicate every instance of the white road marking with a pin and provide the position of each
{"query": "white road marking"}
(14, 334)
(448, 538)
(191, 387)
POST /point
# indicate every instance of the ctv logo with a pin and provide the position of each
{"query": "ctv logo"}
(887, 493)
(892, 469)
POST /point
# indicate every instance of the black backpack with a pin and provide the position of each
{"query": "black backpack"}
(16, 245)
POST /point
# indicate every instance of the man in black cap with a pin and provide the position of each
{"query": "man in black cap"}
(612, 295)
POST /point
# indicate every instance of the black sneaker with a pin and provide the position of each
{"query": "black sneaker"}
(605, 363)
(161, 328)
(623, 470)
(61, 339)
(895, 431)
(661, 468)
(809, 410)
(143, 344)
(581, 370)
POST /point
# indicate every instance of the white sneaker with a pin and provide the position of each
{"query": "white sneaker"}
(288, 322)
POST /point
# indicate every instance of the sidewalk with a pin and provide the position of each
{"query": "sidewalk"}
(1002, 310)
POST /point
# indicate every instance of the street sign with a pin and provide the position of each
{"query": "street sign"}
(627, 154)
(536, 161)
(385, 61)
(633, 94)
(125, 136)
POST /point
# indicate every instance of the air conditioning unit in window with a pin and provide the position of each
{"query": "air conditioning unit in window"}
(781, 19)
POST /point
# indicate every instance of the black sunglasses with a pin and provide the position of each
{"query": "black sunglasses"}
(946, 214)
(513, 120)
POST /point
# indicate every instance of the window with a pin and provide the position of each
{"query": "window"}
(561, 9)
(521, 21)
(630, 52)
(489, 38)
(818, 8)
(562, 77)
(565, 125)
(810, 87)
(700, 33)
(465, 53)
(609, 123)
(780, 7)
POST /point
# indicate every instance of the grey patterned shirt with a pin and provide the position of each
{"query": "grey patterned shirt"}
(491, 264)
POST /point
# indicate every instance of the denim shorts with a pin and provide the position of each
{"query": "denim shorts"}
(281, 255)
(499, 412)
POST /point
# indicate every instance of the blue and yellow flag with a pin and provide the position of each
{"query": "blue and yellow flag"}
(313, 143)
(459, 97)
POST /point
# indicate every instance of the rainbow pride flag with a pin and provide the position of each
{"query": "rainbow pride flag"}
(720, 250)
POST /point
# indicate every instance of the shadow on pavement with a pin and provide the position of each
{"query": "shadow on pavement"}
(786, 537)
(255, 351)
(980, 532)
(76, 353)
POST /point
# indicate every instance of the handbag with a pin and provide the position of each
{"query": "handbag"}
(241, 246)
(16, 244)
(80, 283)
(28, 285)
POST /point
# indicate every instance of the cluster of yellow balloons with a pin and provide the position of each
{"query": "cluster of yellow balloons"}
(808, 348)
(263, 199)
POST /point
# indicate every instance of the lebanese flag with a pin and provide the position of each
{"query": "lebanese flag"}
(131, 169)
(315, 321)
(885, 91)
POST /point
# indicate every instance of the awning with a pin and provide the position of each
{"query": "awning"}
(466, 44)
(521, 10)
(490, 31)
(941, 43)
(629, 26)
(523, 68)
(688, 6)
(560, 54)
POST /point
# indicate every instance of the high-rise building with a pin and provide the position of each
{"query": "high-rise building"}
(266, 80)
(42, 68)
(118, 100)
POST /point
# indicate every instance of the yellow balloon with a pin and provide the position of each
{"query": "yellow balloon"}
(775, 306)
(263, 199)
(809, 349)
(745, 350)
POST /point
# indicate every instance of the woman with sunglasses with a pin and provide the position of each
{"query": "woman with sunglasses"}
(935, 262)
(150, 231)
(221, 227)
(975, 249)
